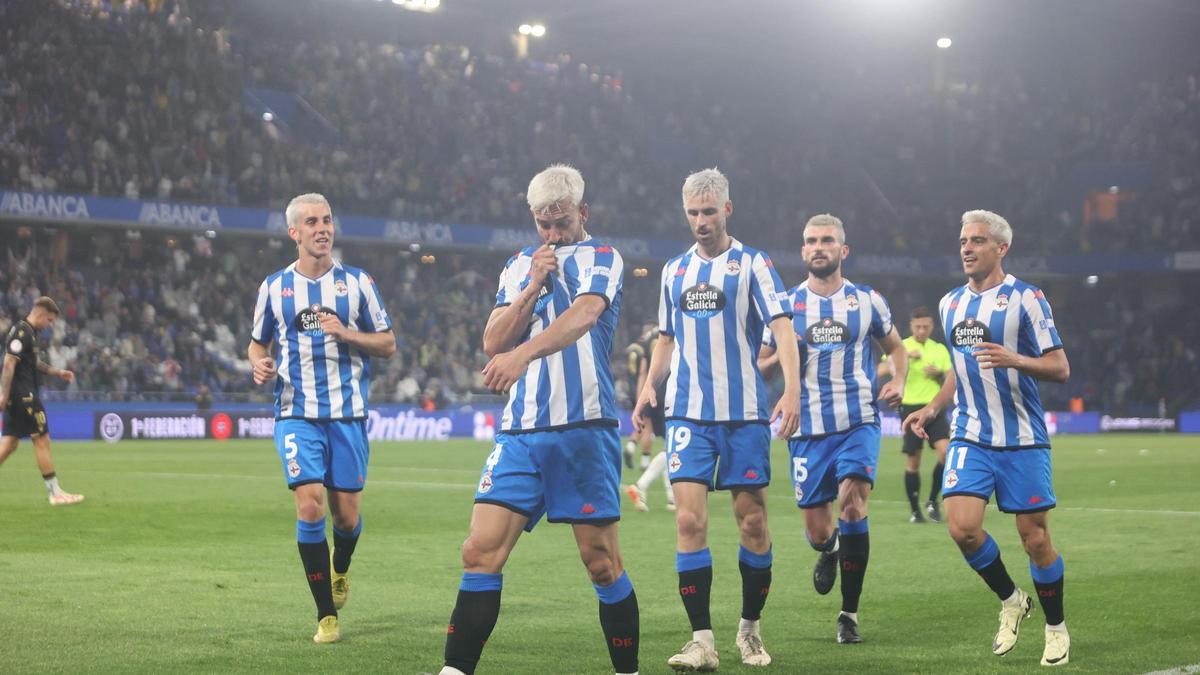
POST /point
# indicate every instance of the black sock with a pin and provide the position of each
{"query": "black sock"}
(619, 621)
(695, 586)
(853, 554)
(343, 547)
(987, 563)
(936, 487)
(756, 585)
(316, 566)
(472, 620)
(1049, 583)
(912, 488)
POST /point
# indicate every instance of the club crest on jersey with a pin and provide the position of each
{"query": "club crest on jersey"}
(1001, 302)
(969, 333)
(852, 303)
(732, 267)
(827, 335)
(675, 464)
(339, 288)
(951, 479)
(308, 321)
(702, 300)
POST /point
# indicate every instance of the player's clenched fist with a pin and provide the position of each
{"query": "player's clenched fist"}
(544, 263)
(264, 370)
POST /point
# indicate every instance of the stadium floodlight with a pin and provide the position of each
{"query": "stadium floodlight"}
(944, 43)
(524, 29)
(1092, 280)
(537, 30)
(267, 116)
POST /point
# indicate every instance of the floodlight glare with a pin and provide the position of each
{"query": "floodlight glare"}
(525, 29)
(433, 4)
(267, 117)
(537, 30)
(944, 43)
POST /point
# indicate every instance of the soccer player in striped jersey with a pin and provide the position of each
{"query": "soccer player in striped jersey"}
(329, 320)
(558, 451)
(715, 300)
(836, 449)
(1002, 338)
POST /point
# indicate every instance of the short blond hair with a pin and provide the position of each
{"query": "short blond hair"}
(707, 182)
(998, 227)
(556, 184)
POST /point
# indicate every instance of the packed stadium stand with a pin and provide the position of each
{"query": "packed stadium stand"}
(169, 102)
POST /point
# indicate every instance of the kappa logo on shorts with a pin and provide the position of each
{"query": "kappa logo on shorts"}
(1035, 500)
(675, 463)
(951, 479)
(751, 474)
(485, 483)
(293, 468)
(587, 509)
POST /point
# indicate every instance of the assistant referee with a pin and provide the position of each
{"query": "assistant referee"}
(928, 361)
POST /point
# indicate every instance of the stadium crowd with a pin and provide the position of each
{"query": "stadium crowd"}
(168, 105)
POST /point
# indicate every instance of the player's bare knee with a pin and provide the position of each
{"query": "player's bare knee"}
(1036, 541)
(602, 570)
(690, 524)
(310, 510)
(853, 512)
(475, 556)
(968, 539)
(753, 525)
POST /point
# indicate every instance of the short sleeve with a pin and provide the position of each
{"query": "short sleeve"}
(510, 284)
(1039, 320)
(263, 330)
(666, 314)
(604, 278)
(881, 316)
(767, 289)
(374, 314)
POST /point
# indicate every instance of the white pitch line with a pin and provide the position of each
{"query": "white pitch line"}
(222, 476)
(1178, 670)
(464, 486)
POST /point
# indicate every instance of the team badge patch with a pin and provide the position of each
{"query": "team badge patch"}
(852, 303)
(293, 468)
(675, 463)
(1001, 302)
(339, 287)
(485, 483)
(732, 267)
(951, 479)
(799, 493)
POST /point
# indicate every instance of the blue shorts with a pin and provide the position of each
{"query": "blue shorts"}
(739, 454)
(1021, 479)
(332, 452)
(570, 475)
(820, 464)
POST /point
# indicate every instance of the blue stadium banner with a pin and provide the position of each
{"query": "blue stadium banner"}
(43, 206)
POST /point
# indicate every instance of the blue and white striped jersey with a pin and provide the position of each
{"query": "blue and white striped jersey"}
(1000, 407)
(716, 310)
(573, 386)
(319, 377)
(837, 361)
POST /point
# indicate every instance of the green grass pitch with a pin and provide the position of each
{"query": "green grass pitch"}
(183, 559)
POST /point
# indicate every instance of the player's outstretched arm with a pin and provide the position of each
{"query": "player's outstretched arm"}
(788, 407)
(893, 392)
(506, 368)
(262, 366)
(1051, 366)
